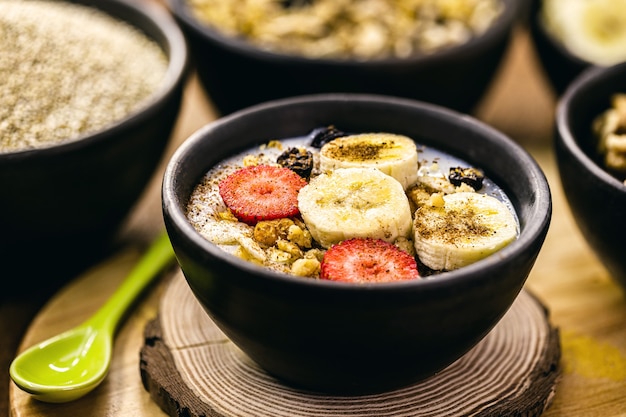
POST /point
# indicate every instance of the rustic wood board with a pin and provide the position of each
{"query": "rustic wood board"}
(191, 369)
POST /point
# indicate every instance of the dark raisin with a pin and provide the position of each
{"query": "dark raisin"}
(322, 135)
(470, 176)
(299, 160)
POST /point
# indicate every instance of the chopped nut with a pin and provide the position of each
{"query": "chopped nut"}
(299, 236)
(464, 188)
(619, 103)
(289, 247)
(420, 193)
(275, 144)
(406, 245)
(267, 232)
(436, 200)
(418, 196)
(299, 223)
(283, 226)
(306, 267)
(435, 184)
(227, 215)
(616, 143)
(314, 254)
(250, 161)
(615, 161)
(610, 129)
(434, 168)
(279, 256)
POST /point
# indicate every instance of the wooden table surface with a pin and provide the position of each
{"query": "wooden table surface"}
(584, 302)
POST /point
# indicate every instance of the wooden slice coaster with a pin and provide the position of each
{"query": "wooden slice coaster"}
(190, 368)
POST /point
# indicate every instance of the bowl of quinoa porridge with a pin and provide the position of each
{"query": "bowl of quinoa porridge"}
(441, 51)
(90, 92)
(590, 143)
(373, 277)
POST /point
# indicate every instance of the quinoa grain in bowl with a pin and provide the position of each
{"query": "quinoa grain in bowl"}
(89, 94)
(68, 70)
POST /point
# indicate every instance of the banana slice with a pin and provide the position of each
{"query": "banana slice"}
(394, 155)
(355, 202)
(465, 228)
(594, 30)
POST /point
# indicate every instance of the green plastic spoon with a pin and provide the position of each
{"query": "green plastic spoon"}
(71, 364)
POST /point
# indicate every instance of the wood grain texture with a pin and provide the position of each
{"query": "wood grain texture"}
(192, 370)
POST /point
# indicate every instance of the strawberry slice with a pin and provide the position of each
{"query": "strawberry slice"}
(367, 260)
(262, 192)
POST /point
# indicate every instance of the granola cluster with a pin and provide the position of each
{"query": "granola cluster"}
(343, 29)
(610, 128)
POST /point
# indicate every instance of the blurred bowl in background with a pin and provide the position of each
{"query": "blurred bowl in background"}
(238, 74)
(346, 337)
(596, 197)
(61, 202)
(591, 33)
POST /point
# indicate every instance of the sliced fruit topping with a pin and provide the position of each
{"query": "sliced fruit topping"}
(394, 155)
(367, 261)
(467, 227)
(355, 202)
(594, 30)
(262, 192)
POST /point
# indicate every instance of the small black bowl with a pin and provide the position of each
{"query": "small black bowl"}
(560, 66)
(64, 202)
(340, 337)
(596, 198)
(237, 74)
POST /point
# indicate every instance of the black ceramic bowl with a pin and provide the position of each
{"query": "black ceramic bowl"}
(60, 202)
(338, 337)
(559, 65)
(596, 198)
(237, 74)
